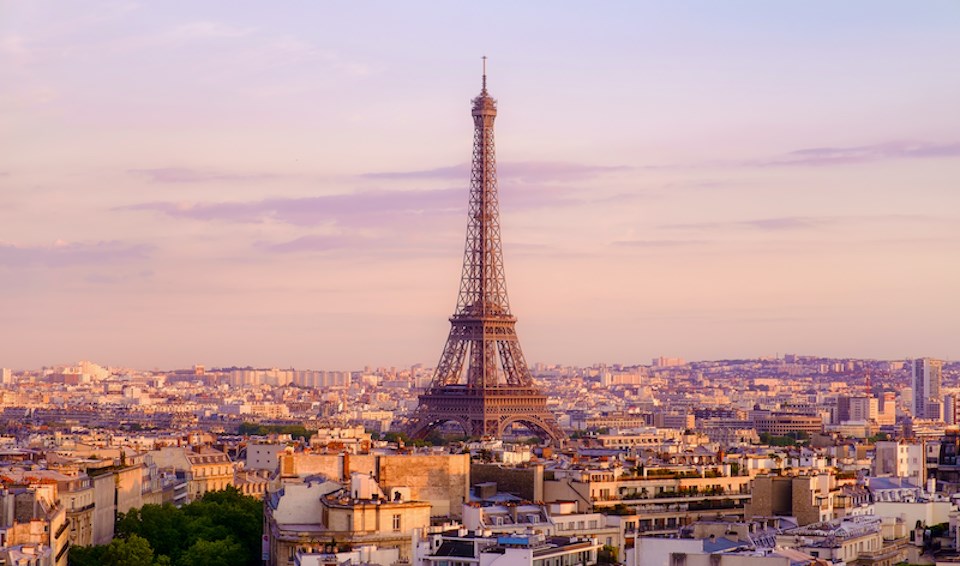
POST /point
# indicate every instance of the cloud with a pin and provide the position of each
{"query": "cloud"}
(461, 171)
(13, 46)
(865, 153)
(783, 223)
(312, 243)
(366, 208)
(208, 30)
(311, 211)
(702, 184)
(787, 223)
(290, 50)
(766, 224)
(113, 278)
(655, 244)
(65, 254)
(390, 241)
(186, 175)
(522, 171)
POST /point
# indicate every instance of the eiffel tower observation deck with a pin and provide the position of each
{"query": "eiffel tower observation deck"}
(482, 381)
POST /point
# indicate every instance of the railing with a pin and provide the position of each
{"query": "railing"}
(63, 527)
(659, 497)
(63, 551)
(86, 507)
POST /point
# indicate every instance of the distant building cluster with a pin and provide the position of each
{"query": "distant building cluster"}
(793, 460)
(303, 378)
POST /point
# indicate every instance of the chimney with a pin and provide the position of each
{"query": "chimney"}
(346, 466)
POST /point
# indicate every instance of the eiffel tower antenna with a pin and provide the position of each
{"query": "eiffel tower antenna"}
(482, 381)
(484, 89)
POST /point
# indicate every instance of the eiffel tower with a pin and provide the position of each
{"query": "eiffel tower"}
(482, 381)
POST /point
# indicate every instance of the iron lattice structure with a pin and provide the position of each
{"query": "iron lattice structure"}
(482, 381)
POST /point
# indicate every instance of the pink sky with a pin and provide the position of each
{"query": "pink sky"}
(246, 184)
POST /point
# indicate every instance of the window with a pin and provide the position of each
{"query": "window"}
(396, 522)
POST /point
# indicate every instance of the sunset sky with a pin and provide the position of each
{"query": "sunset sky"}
(285, 184)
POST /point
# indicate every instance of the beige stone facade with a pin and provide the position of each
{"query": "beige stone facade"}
(808, 498)
(206, 469)
(441, 479)
(77, 497)
(32, 516)
(327, 516)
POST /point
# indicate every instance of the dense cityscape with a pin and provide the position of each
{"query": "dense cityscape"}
(755, 461)
(481, 458)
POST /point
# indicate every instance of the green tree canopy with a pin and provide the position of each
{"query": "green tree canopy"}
(225, 523)
(256, 429)
(87, 555)
(223, 552)
(131, 551)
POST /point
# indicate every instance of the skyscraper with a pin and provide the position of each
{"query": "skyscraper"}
(927, 398)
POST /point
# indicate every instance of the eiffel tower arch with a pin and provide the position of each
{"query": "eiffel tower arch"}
(482, 381)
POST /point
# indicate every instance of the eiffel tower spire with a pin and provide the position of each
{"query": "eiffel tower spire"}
(482, 380)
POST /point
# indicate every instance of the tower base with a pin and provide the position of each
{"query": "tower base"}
(485, 412)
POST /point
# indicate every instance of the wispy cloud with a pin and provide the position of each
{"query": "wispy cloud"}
(187, 175)
(113, 278)
(461, 171)
(65, 254)
(312, 243)
(379, 246)
(784, 223)
(14, 47)
(702, 184)
(522, 171)
(865, 153)
(208, 30)
(289, 50)
(367, 208)
(312, 211)
(788, 223)
(659, 244)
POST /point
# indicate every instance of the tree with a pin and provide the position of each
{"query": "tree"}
(132, 551)
(233, 515)
(223, 552)
(607, 555)
(255, 429)
(86, 555)
(162, 525)
(226, 517)
(394, 436)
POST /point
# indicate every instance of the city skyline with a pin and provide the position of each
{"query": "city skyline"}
(203, 185)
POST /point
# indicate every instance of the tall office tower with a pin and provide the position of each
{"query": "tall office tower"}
(950, 409)
(842, 413)
(863, 408)
(927, 399)
(482, 381)
(888, 409)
